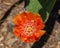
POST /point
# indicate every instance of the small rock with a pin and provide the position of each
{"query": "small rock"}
(1, 38)
(9, 27)
(59, 43)
(59, 11)
(1, 44)
(7, 3)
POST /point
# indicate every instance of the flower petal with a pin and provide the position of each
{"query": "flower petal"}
(39, 22)
(27, 41)
(39, 33)
(23, 37)
(16, 32)
(17, 20)
(32, 38)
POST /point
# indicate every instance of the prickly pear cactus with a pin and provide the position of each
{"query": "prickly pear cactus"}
(43, 7)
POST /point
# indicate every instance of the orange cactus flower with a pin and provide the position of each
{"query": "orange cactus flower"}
(28, 26)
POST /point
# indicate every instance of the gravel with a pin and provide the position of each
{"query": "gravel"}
(7, 38)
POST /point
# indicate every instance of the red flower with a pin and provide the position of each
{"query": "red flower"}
(28, 26)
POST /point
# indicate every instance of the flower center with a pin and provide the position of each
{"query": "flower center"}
(29, 29)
